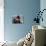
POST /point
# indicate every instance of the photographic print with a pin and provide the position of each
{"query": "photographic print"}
(18, 19)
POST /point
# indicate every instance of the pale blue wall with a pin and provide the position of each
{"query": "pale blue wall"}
(27, 8)
(43, 6)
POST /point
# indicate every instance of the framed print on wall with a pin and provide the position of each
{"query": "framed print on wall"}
(18, 19)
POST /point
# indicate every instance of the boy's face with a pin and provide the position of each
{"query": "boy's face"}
(17, 19)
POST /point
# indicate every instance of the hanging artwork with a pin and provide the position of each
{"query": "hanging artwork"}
(18, 19)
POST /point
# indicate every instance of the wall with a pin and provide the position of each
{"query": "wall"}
(27, 8)
(43, 6)
(1, 20)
